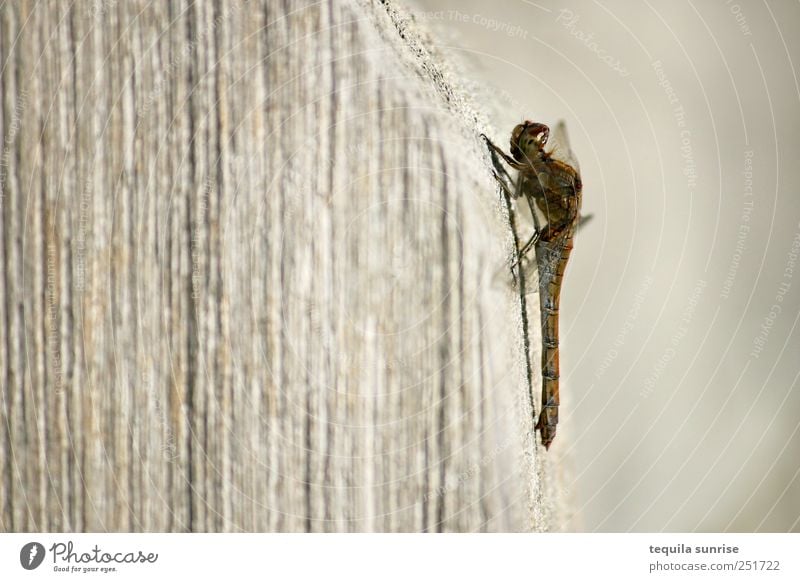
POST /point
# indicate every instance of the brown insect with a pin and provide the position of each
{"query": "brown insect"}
(552, 187)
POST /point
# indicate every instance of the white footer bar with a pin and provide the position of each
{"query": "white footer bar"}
(402, 557)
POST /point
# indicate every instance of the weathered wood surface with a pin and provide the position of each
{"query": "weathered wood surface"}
(248, 277)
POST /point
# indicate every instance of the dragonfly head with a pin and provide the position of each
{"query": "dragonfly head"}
(528, 140)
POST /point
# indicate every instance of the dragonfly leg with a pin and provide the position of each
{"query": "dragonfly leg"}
(497, 151)
(536, 225)
(533, 240)
(499, 170)
(526, 249)
(503, 185)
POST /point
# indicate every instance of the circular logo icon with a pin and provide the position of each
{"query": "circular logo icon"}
(31, 555)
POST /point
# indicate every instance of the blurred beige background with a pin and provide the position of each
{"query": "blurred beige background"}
(680, 347)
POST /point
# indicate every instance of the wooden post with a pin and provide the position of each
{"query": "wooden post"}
(250, 277)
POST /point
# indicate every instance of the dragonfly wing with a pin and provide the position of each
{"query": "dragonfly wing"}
(530, 273)
(506, 277)
(559, 140)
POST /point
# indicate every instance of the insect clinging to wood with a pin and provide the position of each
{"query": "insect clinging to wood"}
(549, 180)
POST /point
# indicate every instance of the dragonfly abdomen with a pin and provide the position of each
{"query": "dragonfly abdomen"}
(552, 259)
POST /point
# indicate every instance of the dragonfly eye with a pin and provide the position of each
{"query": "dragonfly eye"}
(518, 144)
(528, 139)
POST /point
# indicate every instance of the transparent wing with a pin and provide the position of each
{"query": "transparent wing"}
(563, 152)
(530, 273)
(559, 141)
(508, 277)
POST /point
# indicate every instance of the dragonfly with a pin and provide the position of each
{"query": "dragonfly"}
(550, 182)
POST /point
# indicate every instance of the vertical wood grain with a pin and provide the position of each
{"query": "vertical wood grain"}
(250, 256)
